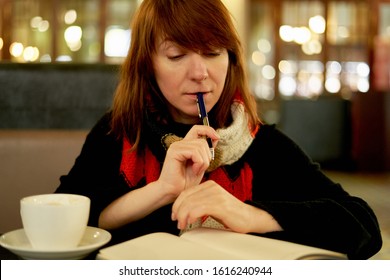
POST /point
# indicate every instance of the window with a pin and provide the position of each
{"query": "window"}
(82, 31)
(262, 51)
(320, 48)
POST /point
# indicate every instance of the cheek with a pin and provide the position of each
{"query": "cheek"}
(223, 67)
(222, 74)
(165, 80)
(168, 87)
(167, 77)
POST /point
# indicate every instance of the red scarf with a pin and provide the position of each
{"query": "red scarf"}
(135, 167)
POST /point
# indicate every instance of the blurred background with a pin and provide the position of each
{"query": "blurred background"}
(319, 70)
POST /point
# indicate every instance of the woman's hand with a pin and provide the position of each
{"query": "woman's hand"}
(184, 166)
(187, 160)
(210, 199)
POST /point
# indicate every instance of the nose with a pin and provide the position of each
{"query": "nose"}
(198, 68)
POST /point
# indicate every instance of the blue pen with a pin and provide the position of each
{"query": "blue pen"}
(205, 120)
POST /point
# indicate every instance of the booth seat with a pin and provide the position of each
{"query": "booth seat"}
(31, 162)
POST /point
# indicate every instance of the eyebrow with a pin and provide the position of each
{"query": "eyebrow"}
(166, 44)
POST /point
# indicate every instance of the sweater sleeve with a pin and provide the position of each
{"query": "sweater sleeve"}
(95, 172)
(311, 209)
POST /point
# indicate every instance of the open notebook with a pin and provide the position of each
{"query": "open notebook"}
(211, 244)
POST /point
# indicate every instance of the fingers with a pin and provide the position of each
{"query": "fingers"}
(204, 132)
(195, 203)
(194, 148)
(188, 214)
(193, 154)
(201, 131)
(180, 210)
(185, 164)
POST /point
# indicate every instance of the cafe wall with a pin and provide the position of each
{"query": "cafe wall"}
(55, 96)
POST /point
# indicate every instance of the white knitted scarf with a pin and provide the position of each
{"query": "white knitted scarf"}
(234, 140)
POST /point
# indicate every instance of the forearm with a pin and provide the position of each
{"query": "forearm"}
(260, 221)
(135, 205)
(346, 226)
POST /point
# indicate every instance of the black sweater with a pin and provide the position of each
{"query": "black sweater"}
(310, 208)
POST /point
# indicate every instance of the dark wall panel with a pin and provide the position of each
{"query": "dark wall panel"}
(56, 96)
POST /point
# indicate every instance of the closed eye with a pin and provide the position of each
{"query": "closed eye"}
(175, 57)
(212, 54)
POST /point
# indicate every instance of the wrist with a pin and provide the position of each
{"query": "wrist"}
(261, 221)
(166, 192)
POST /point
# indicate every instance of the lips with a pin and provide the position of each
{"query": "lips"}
(194, 94)
(202, 92)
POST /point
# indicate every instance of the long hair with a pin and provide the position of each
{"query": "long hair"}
(200, 25)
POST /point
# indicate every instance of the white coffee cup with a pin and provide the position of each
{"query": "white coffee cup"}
(54, 222)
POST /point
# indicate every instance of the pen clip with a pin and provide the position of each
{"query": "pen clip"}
(197, 104)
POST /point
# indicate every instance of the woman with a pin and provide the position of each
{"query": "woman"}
(146, 164)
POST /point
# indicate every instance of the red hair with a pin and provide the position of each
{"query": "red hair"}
(199, 25)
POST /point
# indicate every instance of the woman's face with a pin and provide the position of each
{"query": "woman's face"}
(181, 73)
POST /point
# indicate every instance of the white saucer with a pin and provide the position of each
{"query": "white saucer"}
(16, 241)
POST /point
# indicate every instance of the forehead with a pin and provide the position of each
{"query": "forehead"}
(166, 44)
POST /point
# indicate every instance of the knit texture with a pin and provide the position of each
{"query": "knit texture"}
(234, 140)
